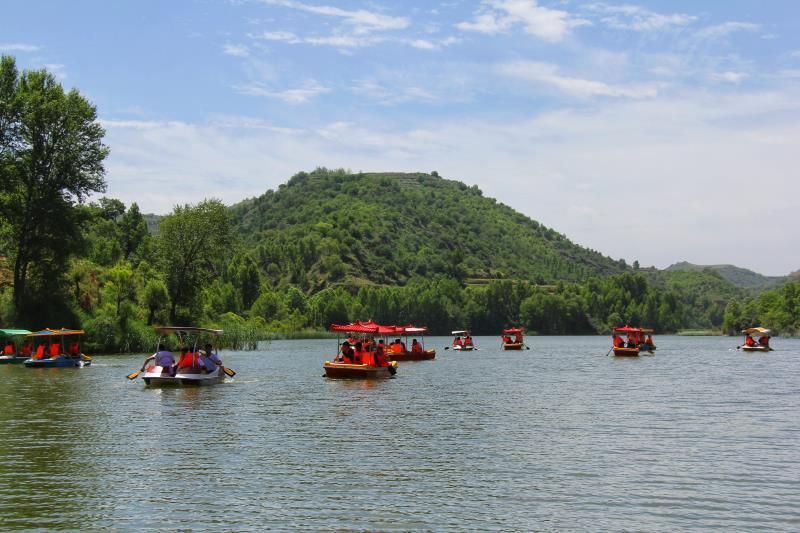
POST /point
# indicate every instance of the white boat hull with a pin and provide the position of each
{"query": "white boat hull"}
(158, 377)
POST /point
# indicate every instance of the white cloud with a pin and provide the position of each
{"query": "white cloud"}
(300, 95)
(499, 16)
(344, 41)
(427, 44)
(637, 18)
(18, 47)
(236, 50)
(729, 76)
(57, 69)
(719, 31)
(548, 74)
(362, 21)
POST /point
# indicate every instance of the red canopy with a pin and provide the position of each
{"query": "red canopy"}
(628, 329)
(513, 330)
(356, 327)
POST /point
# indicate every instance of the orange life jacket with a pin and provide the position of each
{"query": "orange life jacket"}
(74, 348)
(55, 350)
(416, 347)
(9, 349)
(468, 341)
(187, 360)
(26, 350)
(39, 352)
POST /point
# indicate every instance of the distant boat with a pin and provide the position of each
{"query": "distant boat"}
(752, 345)
(12, 353)
(462, 345)
(516, 343)
(54, 352)
(349, 363)
(636, 341)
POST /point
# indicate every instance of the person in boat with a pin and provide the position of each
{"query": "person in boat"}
(749, 341)
(380, 356)
(506, 339)
(467, 341)
(209, 360)
(416, 347)
(55, 350)
(74, 349)
(162, 358)
(763, 340)
(357, 353)
(649, 341)
(27, 349)
(458, 342)
(518, 338)
(9, 348)
(348, 354)
(618, 342)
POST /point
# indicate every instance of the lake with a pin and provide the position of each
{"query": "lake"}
(699, 436)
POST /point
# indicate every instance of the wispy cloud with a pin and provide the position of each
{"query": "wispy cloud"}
(719, 31)
(57, 69)
(433, 44)
(300, 95)
(236, 50)
(383, 95)
(549, 75)
(637, 18)
(344, 41)
(18, 47)
(729, 77)
(499, 16)
(361, 20)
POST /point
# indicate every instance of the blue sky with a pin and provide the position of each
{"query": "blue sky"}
(654, 130)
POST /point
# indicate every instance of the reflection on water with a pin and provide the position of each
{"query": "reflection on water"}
(558, 437)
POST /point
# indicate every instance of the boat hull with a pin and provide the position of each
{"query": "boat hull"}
(756, 348)
(156, 377)
(425, 355)
(626, 352)
(12, 360)
(59, 362)
(513, 345)
(463, 348)
(352, 371)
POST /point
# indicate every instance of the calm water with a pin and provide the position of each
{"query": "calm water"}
(557, 437)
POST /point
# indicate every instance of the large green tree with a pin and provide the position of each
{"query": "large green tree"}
(51, 159)
(194, 244)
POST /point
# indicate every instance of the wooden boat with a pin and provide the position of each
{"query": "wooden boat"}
(762, 345)
(355, 369)
(626, 352)
(187, 371)
(11, 353)
(461, 347)
(513, 344)
(53, 352)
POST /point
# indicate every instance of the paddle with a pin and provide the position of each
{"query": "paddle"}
(86, 357)
(446, 347)
(134, 375)
(609, 351)
(228, 371)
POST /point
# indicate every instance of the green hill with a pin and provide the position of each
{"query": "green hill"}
(333, 227)
(741, 277)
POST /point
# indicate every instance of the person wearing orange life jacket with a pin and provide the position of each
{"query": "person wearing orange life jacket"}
(458, 342)
(763, 340)
(74, 349)
(618, 342)
(9, 348)
(26, 349)
(55, 350)
(749, 341)
(416, 347)
(467, 341)
(380, 358)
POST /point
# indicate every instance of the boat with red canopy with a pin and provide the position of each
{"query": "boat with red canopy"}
(751, 345)
(515, 343)
(636, 341)
(353, 360)
(400, 351)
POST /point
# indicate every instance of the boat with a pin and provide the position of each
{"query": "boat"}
(762, 345)
(636, 342)
(52, 350)
(187, 371)
(513, 344)
(458, 345)
(398, 351)
(11, 352)
(357, 368)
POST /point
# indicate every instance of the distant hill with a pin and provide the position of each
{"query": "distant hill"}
(330, 227)
(741, 277)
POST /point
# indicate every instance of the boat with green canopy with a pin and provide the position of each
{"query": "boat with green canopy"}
(57, 348)
(12, 352)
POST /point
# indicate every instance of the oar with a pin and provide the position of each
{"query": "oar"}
(134, 375)
(446, 347)
(228, 371)
(609, 351)
(86, 357)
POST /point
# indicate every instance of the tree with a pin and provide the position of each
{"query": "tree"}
(192, 240)
(51, 158)
(133, 229)
(154, 298)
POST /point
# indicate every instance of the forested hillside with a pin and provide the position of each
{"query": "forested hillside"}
(741, 277)
(335, 228)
